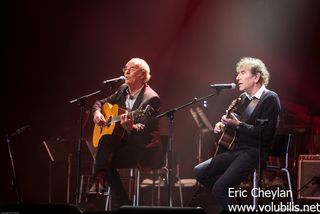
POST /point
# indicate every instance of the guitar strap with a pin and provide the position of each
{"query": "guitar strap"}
(250, 108)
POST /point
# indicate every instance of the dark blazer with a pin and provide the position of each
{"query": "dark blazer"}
(150, 135)
(248, 133)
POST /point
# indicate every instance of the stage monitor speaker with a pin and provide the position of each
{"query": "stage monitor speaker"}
(39, 208)
(158, 210)
(308, 177)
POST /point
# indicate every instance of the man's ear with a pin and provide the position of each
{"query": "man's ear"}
(257, 77)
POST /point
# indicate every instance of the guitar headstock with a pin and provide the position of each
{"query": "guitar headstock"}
(233, 106)
(141, 113)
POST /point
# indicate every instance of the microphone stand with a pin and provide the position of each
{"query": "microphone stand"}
(170, 115)
(81, 102)
(14, 183)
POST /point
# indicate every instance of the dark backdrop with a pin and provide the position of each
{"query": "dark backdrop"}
(54, 51)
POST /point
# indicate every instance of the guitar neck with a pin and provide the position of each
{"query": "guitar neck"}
(117, 118)
(228, 114)
(233, 107)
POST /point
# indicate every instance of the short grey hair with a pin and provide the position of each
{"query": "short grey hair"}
(143, 66)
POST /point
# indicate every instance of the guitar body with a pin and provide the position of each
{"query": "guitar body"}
(226, 140)
(109, 111)
(112, 115)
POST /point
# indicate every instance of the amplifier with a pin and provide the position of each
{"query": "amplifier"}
(308, 177)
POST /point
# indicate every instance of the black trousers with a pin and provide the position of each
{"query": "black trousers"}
(114, 152)
(227, 170)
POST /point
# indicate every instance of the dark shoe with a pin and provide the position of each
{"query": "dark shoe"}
(119, 197)
(116, 203)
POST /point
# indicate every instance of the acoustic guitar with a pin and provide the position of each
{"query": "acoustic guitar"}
(226, 140)
(112, 116)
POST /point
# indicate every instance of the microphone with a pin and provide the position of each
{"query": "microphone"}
(119, 79)
(223, 86)
(19, 131)
(22, 129)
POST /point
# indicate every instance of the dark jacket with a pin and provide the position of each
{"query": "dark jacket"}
(150, 135)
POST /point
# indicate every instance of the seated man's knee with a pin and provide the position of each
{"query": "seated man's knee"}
(202, 177)
(198, 173)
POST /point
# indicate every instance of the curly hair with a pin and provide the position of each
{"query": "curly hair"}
(257, 66)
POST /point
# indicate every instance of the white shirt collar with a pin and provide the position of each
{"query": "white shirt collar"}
(258, 94)
(136, 93)
(130, 100)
